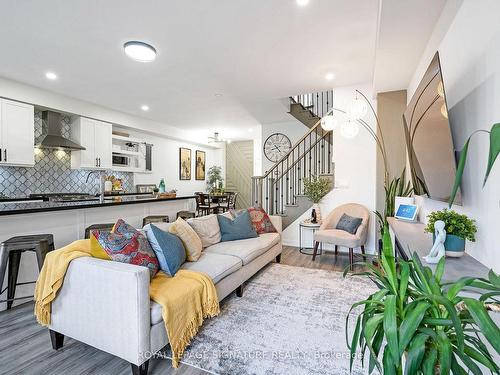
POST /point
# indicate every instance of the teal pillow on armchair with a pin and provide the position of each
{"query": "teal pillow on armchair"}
(238, 228)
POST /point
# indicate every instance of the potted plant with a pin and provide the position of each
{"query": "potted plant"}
(458, 229)
(315, 188)
(416, 324)
(214, 179)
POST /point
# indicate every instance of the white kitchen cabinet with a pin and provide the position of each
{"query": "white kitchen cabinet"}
(17, 133)
(95, 136)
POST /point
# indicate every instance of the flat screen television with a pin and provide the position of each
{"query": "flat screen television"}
(429, 140)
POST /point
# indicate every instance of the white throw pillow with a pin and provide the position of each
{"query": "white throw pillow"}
(207, 228)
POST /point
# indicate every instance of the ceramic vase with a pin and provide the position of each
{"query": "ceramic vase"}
(454, 246)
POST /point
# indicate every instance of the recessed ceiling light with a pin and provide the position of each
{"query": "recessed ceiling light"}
(228, 141)
(145, 107)
(50, 75)
(329, 76)
(140, 51)
(250, 130)
(302, 3)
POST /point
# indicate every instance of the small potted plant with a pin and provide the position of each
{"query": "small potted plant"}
(458, 229)
(315, 189)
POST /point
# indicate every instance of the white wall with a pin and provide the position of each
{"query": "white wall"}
(355, 170)
(165, 163)
(470, 59)
(293, 129)
(39, 97)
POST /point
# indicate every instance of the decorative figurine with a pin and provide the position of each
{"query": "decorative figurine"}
(437, 251)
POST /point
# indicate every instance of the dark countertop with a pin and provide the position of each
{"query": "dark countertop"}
(20, 207)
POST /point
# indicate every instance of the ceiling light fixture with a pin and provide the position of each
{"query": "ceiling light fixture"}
(250, 130)
(328, 123)
(302, 3)
(145, 107)
(215, 138)
(50, 75)
(329, 76)
(140, 51)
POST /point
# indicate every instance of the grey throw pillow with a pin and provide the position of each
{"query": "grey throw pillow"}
(349, 224)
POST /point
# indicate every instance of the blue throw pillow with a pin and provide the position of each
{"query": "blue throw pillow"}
(238, 228)
(168, 249)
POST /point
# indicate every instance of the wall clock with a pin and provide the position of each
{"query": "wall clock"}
(276, 146)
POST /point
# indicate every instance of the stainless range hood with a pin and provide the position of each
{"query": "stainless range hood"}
(52, 136)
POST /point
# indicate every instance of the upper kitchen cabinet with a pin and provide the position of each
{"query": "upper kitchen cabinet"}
(17, 133)
(95, 136)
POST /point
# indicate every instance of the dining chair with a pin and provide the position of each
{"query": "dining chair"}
(203, 205)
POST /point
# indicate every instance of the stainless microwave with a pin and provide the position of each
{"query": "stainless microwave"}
(121, 160)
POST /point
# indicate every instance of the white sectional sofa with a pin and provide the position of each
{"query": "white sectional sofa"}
(106, 304)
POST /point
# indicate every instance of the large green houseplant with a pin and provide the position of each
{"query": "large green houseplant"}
(458, 229)
(417, 324)
(214, 179)
(397, 187)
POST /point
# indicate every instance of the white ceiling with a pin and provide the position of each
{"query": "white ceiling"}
(255, 53)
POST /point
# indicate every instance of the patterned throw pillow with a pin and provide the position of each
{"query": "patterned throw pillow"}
(126, 245)
(122, 227)
(261, 221)
(189, 238)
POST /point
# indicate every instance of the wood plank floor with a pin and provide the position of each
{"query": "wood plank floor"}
(25, 346)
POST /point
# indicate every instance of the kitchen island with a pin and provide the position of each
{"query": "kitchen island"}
(67, 222)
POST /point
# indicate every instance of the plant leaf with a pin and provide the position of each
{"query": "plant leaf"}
(460, 172)
(457, 369)
(438, 273)
(479, 357)
(429, 362)
(415, 353)
(488, 327)
(354, 342)
(445, 353)
(410, 325)
(389, 368)
(391, 327)
(376, 344)
(494, 149)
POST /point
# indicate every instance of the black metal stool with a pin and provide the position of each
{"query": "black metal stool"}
(186, 214)
(104, 227)
(10, 252)
(155, 219)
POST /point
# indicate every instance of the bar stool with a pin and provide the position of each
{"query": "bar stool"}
(104, 227)
(10, 252)
(155, 219)
(186, 214)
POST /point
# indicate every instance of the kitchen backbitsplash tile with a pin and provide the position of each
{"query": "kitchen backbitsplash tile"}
(52, 172)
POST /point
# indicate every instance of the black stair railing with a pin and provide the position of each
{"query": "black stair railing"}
(318, 103)
(310, 156)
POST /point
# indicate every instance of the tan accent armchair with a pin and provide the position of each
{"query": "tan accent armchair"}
(328, 234)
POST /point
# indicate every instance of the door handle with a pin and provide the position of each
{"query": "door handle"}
(5, 155)
(96, 163)
(99, 162)
(0, 154)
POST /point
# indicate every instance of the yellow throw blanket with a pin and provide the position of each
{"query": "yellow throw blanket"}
(186, 299)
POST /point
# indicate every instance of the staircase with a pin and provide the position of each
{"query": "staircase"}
(281, 190)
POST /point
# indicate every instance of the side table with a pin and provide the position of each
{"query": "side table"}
(313, 228)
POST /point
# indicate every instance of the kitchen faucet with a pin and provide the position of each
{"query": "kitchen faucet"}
(101, 184)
